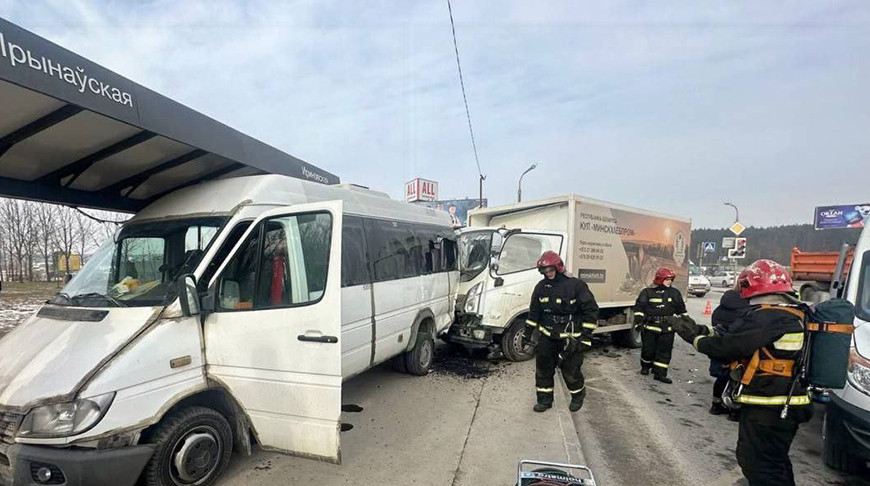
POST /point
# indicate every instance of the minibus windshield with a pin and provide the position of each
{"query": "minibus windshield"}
(474, 253)
(139, 267)
(862, 302)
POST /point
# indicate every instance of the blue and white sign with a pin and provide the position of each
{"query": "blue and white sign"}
(709, 246)
(848, 216)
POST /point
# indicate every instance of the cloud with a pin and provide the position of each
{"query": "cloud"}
(672, 106)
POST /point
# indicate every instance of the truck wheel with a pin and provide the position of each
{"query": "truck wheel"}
(419, 359)
(512, 343)
(836, 450)
(193, 448)
(629, 338)
(399, 363)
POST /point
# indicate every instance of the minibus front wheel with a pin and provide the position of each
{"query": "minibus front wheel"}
(194, 445)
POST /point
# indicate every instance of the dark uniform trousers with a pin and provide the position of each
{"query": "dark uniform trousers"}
(547, 359)
(763, 442)
(656, 350)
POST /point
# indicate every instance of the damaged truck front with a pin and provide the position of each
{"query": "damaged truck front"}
(614, 248)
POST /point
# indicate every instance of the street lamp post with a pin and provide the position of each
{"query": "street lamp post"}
(520, 184)
(736, 211)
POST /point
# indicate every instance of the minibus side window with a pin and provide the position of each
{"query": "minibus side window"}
(354, 260)
(862, 302)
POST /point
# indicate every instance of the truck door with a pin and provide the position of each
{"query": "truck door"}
(515, 278)
(273, 339)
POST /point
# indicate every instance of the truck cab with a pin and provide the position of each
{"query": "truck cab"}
(497, 276)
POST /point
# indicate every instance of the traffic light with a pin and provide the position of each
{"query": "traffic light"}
(739, 250)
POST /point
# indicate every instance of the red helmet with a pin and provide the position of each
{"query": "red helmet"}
(551, 259)
(663, 274)
(764, 277)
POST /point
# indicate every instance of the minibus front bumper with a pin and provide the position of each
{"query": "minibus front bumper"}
(32, 465)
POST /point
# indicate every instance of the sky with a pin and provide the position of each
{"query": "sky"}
(672, 106)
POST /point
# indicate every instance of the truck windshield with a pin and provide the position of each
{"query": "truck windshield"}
(474, 251)
(139, 267)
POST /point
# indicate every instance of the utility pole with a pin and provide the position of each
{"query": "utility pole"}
(480, 202)
(520, 183)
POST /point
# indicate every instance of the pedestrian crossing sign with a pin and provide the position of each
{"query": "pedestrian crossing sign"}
(709, 247)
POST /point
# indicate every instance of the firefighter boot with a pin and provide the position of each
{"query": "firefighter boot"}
(542, 406)
(644, 371)
(577, 400)
(662, 377)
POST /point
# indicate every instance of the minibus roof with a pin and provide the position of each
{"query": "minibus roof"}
(75, 133)
(221, 197)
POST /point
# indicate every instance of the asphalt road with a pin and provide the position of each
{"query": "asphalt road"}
(635, 430)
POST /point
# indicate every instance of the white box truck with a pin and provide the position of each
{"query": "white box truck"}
(615, 249)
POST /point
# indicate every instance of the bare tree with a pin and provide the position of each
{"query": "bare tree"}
(65, 234)
(46, 217)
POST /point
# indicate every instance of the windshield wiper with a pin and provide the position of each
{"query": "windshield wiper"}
(64, 295)
(98, 295)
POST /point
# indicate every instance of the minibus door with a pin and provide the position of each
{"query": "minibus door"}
(273, 338)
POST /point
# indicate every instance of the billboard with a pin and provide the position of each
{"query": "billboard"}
(421, 190)
(845, 216)
(457, 208)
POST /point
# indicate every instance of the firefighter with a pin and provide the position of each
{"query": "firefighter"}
(764, 343)
(653, 304)
(564, 311)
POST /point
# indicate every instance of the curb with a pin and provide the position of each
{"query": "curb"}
(573, 449)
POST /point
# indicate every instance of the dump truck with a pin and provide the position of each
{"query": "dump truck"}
(814, 271)
(615, 249)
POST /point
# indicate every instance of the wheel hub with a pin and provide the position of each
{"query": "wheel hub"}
(426, 354)
(197, 456)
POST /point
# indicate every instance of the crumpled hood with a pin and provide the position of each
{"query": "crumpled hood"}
(47, 357)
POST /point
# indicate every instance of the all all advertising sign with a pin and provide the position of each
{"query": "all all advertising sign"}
(845, 216)
(421, 190)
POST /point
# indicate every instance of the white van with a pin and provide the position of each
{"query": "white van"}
(847, 418)
(287, 289)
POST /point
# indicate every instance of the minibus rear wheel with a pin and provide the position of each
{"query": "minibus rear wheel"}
(193, 448)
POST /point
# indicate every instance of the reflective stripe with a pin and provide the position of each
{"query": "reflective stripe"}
(644, 361)
(578, 390)
(544, 390)
(588, 343)
(573, 301)
(656, 300)
(558, 301)
(544, 299)
(590, 325)
(696, 341)
(653, 328)
(660, 365)
(778, 400)
(532, 323)
(670, 299)
(793, 341)
(638, 313)
(544, 331)
(571, 334)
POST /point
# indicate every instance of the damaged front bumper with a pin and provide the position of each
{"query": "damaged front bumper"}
(468, 331)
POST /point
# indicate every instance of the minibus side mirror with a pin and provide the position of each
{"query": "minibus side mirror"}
(187, 295)
(493, 263)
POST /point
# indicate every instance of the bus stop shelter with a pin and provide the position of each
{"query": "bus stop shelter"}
(75, 133)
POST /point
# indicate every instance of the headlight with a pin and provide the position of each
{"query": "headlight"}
(65, 419)
(859, 371)
(472, 299)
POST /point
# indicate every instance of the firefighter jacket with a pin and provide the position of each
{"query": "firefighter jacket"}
(564, 307)
(654, 303)
(777, 333)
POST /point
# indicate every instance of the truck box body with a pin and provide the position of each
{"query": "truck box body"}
(616, 249)
(817, 265)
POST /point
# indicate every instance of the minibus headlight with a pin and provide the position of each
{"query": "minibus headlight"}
(65, 419)
(472, 299)
(859, 371)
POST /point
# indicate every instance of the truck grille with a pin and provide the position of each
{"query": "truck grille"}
(9, 422)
